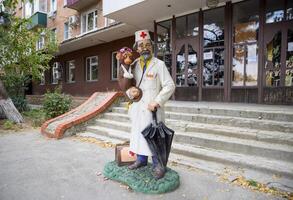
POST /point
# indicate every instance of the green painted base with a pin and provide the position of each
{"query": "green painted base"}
(141, 179)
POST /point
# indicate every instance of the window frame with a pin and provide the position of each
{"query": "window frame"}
(68, 31)
(54, 7)
(25, 14)
(95, 25)
(41, 42)
(91, 64)
(54, 80)
(68, 69)
(54, 31)
(113, 57)
(43, 79)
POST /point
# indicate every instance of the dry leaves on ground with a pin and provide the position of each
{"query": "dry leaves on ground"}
(94, 141)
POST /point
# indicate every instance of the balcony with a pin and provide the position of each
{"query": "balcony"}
(80, 4)
(39, 19)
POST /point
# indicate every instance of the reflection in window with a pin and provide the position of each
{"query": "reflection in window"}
(289, 56)
(180, 67)
(273, 54)
(192, 24)
(92, 68)
(289, 10)
(115, 66)
(187, 25)
(192, 67)
(164, 49)
(56, 75)
(274, 11)
(273, 78)
(246, 21)
(289, 78)
(238, 65)
(181, 27)
(245, 37)
(214, 27)
(251, 65)
(245, 61)
(70, 65)
(213, 71)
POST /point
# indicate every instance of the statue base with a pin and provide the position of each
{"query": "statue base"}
(141, 179)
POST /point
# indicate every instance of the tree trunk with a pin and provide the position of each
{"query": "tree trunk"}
(7, 107)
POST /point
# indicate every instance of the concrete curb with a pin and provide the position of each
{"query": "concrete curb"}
(61, 128)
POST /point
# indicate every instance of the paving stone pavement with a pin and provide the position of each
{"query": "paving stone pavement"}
(35, 167)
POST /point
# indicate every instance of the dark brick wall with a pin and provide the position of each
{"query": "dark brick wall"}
(81, 87)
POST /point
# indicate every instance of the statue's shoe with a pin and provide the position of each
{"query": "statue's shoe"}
(159, 172)
(136, 164)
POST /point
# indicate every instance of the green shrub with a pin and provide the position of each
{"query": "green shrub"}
(56, 104)
(20, 103)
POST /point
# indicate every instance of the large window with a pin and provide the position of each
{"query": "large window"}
(70, 69)
(92, 68)
(115, 66)
(245, 48)
(89, 21)
(213, 56)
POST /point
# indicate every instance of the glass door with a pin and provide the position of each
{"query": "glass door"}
(186, 55)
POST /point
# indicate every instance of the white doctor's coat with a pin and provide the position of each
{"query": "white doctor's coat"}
(157, 85)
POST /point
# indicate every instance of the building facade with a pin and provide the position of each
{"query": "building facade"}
(226, 51)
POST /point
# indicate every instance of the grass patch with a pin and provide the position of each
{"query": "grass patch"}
(9, 125)
(36, 116)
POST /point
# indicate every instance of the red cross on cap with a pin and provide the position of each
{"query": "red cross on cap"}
(143, 35)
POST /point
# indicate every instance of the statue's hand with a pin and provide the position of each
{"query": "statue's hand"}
(153, 105)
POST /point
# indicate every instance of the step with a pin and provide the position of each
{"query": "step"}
(233, 121)
(116, 117)
(244, 133)
(206, 156)
(255, 111)
(231, 172)
(109, 132)
(236, 145)
(122, 126)
(122, 110)
(266, 115)
(243, 146)
(89, 134)
(256, 123)
(224, 157)
(235, 132)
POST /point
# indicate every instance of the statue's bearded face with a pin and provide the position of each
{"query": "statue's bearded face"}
(145, 49)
